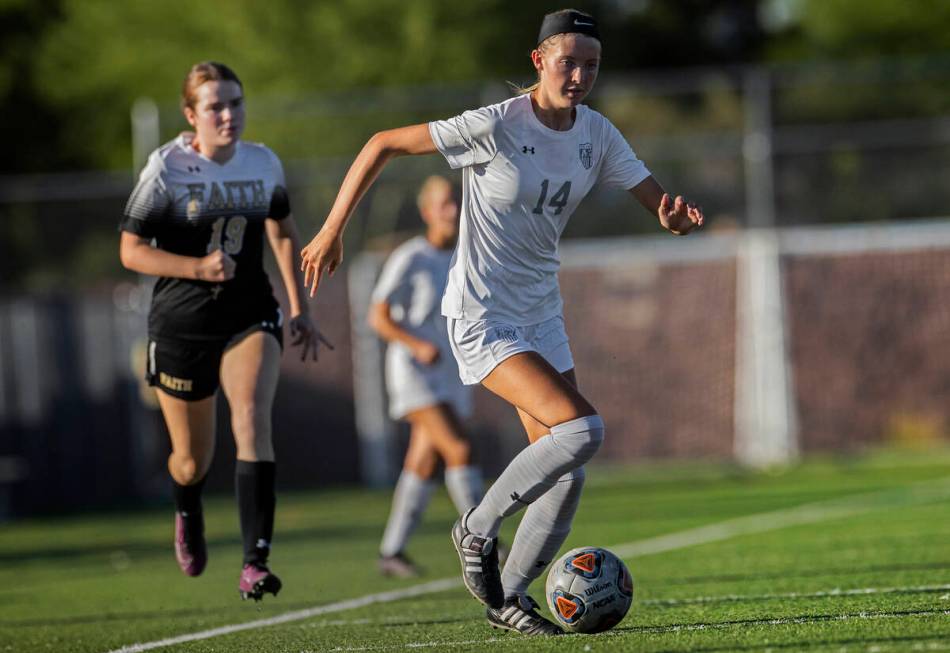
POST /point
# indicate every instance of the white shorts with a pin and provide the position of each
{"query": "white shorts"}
(412, 385)
(480, 345)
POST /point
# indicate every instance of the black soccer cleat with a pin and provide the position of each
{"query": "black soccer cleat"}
(257, 579)
(520, 614)
(479, 558)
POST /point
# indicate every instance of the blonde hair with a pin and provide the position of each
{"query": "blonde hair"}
(205, 71)
(429, 186)
(542, 48)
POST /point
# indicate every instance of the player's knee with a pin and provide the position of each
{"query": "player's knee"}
(458, 454)
(424, 468)
(187, 470)
(580, 437)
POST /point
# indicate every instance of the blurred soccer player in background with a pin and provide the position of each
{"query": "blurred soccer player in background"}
(422, 377)
(207, 199)
(527, 163)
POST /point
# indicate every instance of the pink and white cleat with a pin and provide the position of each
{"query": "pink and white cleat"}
(190, 550)
(257, 579)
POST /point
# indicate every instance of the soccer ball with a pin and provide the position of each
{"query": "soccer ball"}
(589, 590)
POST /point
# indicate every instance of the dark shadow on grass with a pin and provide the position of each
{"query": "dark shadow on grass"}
(323, 534)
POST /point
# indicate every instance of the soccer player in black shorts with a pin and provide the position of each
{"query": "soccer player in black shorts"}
(207, 199)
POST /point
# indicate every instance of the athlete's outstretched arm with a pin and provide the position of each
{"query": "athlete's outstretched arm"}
(325, 251)
(381, 321)
(283, 239)
(138, 255)
(677, 216)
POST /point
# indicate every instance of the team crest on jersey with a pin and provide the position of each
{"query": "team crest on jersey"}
(586, 152)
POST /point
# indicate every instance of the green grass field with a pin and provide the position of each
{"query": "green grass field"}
(834, 555)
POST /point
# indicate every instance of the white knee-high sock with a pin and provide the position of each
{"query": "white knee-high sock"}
(410, 499)
(465, 486)
(535, 470)
(542, 531)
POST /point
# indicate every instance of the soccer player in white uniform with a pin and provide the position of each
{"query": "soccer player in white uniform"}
(422, 377)
(527, 163)
(207, 199)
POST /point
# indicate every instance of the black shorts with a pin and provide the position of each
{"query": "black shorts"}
(189, 368)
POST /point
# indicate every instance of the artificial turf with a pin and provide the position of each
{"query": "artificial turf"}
(868, 570)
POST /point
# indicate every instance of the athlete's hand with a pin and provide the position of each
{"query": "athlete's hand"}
(216, 267)
(679, 216)
(324, 252)
(305, 333)
(425, 352)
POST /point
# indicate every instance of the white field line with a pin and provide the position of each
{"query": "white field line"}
(383, 597)
(805, 514)
(787, 621)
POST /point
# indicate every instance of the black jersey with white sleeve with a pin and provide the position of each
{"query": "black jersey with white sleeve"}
(191, 205)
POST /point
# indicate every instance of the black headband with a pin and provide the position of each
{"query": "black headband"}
(568, 22)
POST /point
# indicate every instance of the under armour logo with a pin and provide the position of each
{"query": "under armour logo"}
(216, 290)
(194, 169)
(525, 149)
(517, 497)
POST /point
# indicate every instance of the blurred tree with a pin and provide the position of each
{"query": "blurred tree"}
(70, 69)
(100, 55)
(665, 34)
(31, 125)
(898, 53)
(838, 29)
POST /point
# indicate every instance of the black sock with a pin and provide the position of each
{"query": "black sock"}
(254, 484)
(188, 497)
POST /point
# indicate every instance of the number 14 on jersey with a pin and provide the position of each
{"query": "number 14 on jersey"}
(558, 200)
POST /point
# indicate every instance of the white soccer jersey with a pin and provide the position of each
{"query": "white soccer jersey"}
(522, 181)
(411, 283)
